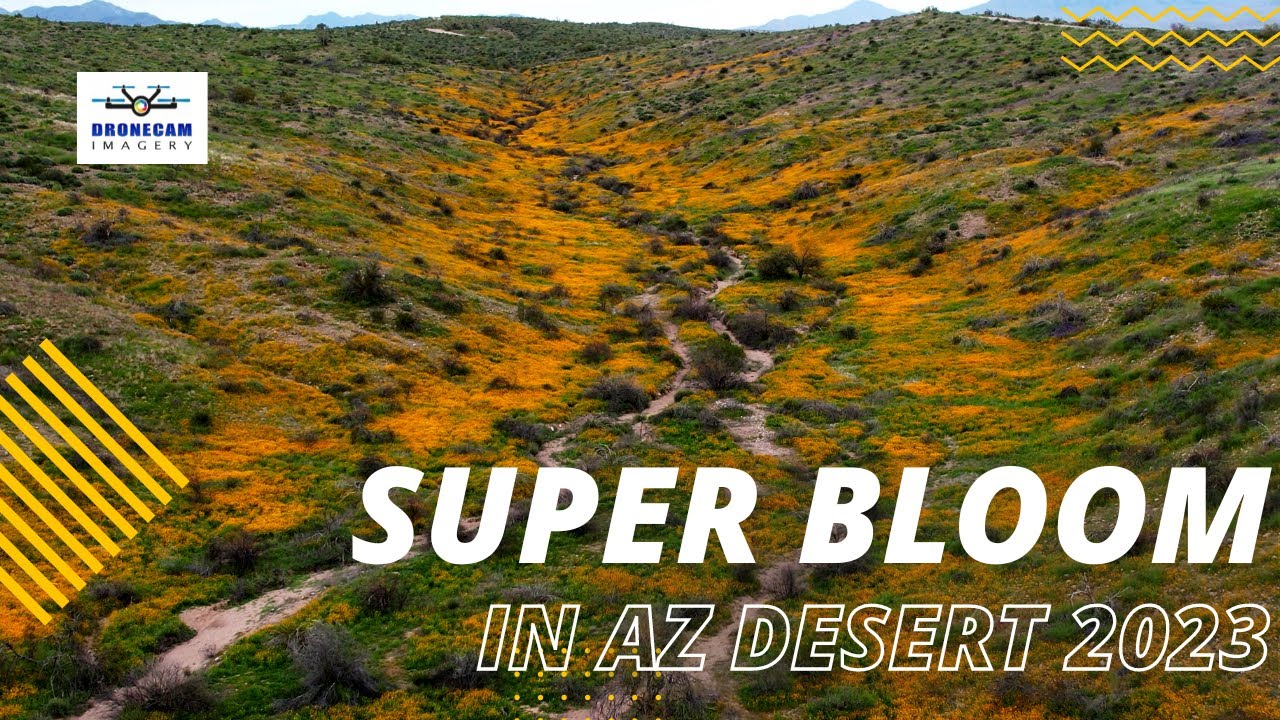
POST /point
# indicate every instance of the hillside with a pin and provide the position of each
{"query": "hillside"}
(940, 245)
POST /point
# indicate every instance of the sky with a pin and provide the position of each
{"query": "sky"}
(705, 13)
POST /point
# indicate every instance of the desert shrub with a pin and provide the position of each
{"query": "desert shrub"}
(718, 363)
(755, 329)
(854, 180)
(179, 314)
(368, 465)
(612, 293)
(807, 190)
(332, 666)
(454, 670)
(534, 316)
(1055, 318)
(684, 699)
(844, 701)
(406, 321)
(114, 592)
(454, 366)
(701, 414)
(236, 552)
(1248, 409)
(596, 352)
(365, 285)
(442, 206)
(170, 691)
(384, 594)
(821, 411)
(521, 428)
(105, 234)
(777, 264)
(243, 94)
(620, 394)
(785, 583)
(671, 222)
(719, 258)
(847, 332)
(614, 185)
(789, 300)
(1038, 266)
(81, 345)
(647, 325)
(694, 306)
(201, 420)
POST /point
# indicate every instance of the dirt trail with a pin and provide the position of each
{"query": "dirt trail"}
(753, 435)
(218, 626)
(747, 424)
(715, 680)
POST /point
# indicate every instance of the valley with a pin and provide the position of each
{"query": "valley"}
(923, 242)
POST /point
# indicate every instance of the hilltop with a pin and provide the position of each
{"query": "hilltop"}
(938, 244)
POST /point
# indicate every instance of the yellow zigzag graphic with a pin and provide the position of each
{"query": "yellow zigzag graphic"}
(1209, 10)
(1171, 34)
(51, 533)
(1171, 59)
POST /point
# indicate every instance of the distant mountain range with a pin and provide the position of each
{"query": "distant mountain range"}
(858, 12)
(93, 11)
(99, 11)
(332, 19)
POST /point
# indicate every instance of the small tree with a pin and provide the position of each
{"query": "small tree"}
(719, 363)
(777, 264)
(323, 35)
(807, 258)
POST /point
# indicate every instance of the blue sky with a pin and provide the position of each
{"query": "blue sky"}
(712, 13)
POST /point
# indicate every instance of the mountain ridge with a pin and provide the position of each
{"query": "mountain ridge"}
(854, 13)
(101, 11)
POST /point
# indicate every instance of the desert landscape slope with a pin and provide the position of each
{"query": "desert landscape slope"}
(930, 243)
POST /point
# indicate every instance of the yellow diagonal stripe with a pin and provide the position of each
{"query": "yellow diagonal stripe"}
(81, 449)
(102, 435)
(32, 571)
(74, 475)
(7, 580)
(85, 521)
(30, 536)
(1208, 10)
(1098, 59)
(110, 409)
(1137, 35)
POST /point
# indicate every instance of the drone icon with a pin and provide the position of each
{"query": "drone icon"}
(141, 104)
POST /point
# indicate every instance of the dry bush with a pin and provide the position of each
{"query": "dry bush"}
(237, 552)
(169, 690)
(385, 594)
(596, 352)
(621, 394)
(695, 306)
(332, 666)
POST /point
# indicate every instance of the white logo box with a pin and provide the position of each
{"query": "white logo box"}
(142, 118)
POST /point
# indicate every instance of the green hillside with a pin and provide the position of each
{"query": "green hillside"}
(932, 242)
